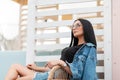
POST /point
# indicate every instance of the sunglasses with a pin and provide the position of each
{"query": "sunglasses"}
(76, 26)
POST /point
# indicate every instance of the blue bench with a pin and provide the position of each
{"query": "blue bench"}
(7, 58)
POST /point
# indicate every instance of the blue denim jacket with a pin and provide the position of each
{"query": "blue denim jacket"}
(83, 66)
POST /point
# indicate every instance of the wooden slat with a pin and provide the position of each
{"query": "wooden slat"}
(49, 57)
(100, 44)
(100, 56)
(69, 11)
(30, 32)
(47, 47)
(108, 40)
(66, 22)
(60, 35)
(48, 2)
(46, 58)
(51, 47)
(53, 35)
(100, 69)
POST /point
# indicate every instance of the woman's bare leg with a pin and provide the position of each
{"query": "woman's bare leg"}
(17, 69)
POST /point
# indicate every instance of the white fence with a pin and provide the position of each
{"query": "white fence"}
(49, 24)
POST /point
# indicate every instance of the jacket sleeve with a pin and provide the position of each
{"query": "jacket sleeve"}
(90, 66)
(77, 67)
(84, 67)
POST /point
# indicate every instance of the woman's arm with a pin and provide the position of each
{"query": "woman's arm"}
(53, 63)
(36, 68)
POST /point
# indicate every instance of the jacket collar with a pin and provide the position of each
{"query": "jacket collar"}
(90, 44)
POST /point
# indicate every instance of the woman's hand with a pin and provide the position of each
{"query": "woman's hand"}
(53, 63)
(32, 66)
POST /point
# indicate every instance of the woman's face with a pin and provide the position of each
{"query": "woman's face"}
(77, 29)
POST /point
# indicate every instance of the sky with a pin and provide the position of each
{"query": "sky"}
(9, 19)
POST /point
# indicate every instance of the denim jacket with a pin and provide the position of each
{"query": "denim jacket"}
(83, 66)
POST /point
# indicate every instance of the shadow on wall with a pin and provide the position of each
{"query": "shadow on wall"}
(7, 58)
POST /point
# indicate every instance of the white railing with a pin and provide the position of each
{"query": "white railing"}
(101, 19)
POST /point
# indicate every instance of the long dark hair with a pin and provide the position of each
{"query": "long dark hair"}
(88, 32)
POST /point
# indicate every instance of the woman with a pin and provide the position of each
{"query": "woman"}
(79, 59)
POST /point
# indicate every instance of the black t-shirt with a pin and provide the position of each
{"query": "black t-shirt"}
(69, 52)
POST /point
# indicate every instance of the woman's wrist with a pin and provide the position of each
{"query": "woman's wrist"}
(42, 69)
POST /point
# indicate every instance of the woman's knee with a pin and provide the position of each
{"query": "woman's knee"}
(15, 65)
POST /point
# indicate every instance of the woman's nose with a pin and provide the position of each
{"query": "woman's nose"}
(73, 28)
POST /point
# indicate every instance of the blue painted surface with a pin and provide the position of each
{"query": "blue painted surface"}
(7, 58)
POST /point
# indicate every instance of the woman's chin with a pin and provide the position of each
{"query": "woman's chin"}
(76, 36)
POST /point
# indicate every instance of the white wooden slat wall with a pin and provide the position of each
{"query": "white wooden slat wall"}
(104, 45)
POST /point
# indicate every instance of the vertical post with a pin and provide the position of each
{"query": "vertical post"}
(20, 15)
(30, 32)
(107, 40)
(116, 39)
